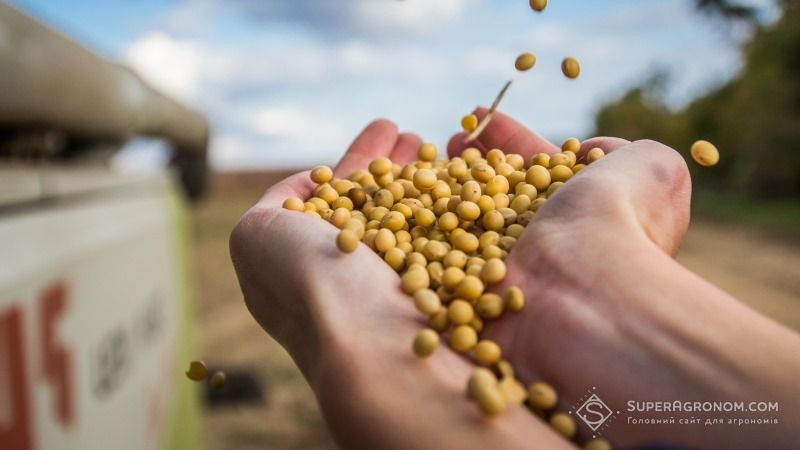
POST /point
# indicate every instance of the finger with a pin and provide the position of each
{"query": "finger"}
(378, 139)
(608, 144)
(298, 185)
(457, 145)
(507, 134)
(406, 148)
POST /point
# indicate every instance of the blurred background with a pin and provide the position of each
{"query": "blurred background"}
(231, 96)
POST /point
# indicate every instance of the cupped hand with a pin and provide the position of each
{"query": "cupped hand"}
(345, 322)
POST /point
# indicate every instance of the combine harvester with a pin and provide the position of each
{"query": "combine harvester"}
(94, 318)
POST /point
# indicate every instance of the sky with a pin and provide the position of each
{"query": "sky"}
(289, 83)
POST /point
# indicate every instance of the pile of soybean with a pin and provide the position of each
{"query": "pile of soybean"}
(446, 226)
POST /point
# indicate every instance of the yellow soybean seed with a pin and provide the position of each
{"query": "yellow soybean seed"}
(515, 299)
(525, 61)
(347, 241)
(217, 381)
(470, 288)
(197, 371)
(479, 378)
(469, 123)
(463, 338)
(451, 277)
(577, 168)
(293, 204)
(705, 153)
(504, 369)
(357, 196)
(571, 145)
(448, 221)
(570, 67)
(594, 154)
(497, 185)
(495, 157)
(542, 396)
(598, 444)
(487, 352)
(466, 242)
(439, 321)
(482, 172)
(342, 202)
(493, 221)
(385, 240)
(539, 177)
(515, 230)
(427, 152)
(424, 179)
(424, 217)
(470, 191)
(380, 166)
(494, 271)
(553, 188)
(560, 173)
(425, 342)
(538, 5)
(414, 280)
(395, 258)
(460, 312)
(521, 203)
(489, 306)
(468, 211)
(394, 221)
(483, 389)
(563, 424)
(321, 174)
(434, 250)
(513, 391)
(541, 159)
(516, 161)
(455, 258)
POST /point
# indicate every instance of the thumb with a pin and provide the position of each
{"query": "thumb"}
(643, 184)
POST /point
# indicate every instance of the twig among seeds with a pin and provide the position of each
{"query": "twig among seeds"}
(488, 117)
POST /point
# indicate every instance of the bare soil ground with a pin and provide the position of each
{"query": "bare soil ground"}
(761, 269)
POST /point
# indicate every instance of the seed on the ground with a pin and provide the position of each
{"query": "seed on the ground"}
(217, 381)
(321, 174)
(538, 5)
(463, 338)
(525, 61)
(570, 67)
(542, 396)
(425, 342)
(515, 299)
(460, 312)
(469, 123)
(197, 371)
(705, 153)
(294, 204)
(487, 352)
(347, 240)
(563, 424)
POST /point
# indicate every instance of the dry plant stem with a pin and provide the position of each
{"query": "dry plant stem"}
(488, 117)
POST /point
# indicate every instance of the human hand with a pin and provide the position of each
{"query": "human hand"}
(344, 320)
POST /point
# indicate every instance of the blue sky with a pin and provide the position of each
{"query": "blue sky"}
(288, 83)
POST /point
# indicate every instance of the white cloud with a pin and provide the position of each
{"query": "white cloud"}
(284, 97)
(171, 65)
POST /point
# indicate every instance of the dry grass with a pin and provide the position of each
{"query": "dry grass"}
(761, 270)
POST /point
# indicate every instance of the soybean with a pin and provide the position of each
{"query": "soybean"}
(525, 62)
(705, 153)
